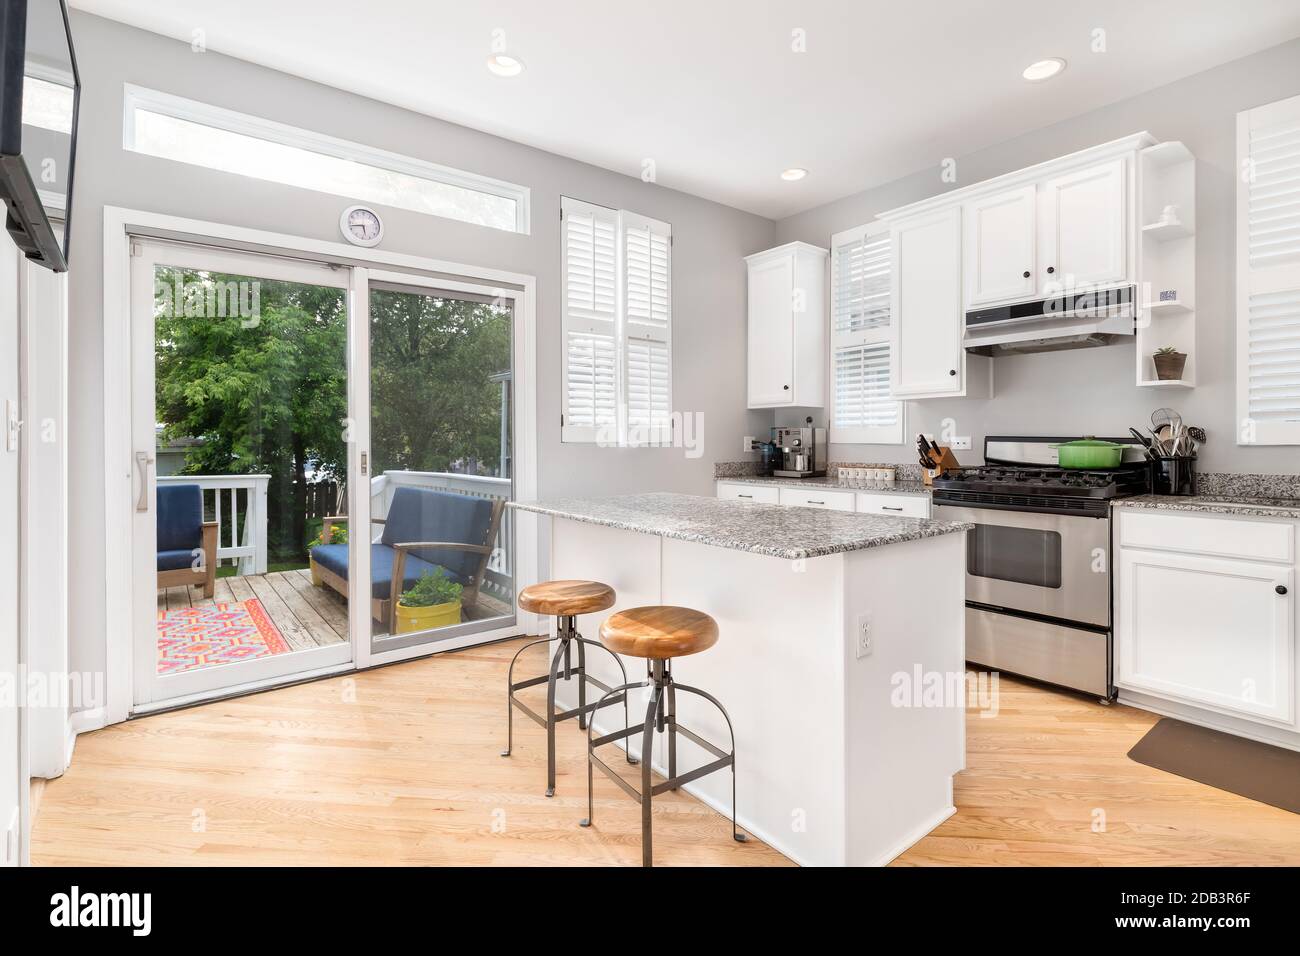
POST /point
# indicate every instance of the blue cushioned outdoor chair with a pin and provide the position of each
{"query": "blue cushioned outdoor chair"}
(187, 545)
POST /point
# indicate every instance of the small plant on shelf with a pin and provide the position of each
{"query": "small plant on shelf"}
(1169, 363)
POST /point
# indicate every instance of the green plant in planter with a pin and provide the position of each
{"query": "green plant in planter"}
(431, 589)
(1167, 350)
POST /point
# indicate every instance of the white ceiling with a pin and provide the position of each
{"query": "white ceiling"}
(711, 90)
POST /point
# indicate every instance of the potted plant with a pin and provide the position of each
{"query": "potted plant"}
(1169, 363)
(433, 601)
(338, 535)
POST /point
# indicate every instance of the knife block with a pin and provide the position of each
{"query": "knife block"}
(944, 460)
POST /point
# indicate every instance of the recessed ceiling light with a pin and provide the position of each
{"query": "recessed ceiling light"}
(502, 64)
(1044, 69)
(794, 174)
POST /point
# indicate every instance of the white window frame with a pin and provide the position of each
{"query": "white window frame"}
(1264, 280)
(205, 114)
(625, 331)
(864, 434)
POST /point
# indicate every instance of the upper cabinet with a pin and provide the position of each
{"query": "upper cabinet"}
(928, 359)
(1083, 227)
(1000, 246)
(787, 327)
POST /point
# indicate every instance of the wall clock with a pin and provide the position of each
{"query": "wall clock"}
(361, 226)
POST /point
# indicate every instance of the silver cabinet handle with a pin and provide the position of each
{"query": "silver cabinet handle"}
(142, 462)
(744, 496)
(811, 502)
(889, 508)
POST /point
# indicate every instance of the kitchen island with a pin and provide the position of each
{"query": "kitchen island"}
(840, 658)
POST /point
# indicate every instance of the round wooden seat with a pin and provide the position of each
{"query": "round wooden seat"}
(566, 598)
(659, 632)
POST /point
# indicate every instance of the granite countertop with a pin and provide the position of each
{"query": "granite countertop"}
(774, 530)
(1216, 504)
(902, 487)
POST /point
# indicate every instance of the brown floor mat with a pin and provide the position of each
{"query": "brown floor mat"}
(1245, 767)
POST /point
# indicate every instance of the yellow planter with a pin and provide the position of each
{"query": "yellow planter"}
(315, 573)
(424, 618)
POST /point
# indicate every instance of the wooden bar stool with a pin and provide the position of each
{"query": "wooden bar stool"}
(658, 634)
(565, 600)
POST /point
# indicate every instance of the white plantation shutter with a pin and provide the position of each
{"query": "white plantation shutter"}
(647, 328)
(590, 299)
(1268, 273)
(862, 410)
(617, 298)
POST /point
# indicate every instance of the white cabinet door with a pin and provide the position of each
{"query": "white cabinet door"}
(1217, 632)
(1082, 226)
(927, 358)
(899, 506)
(771, 332)
(1000, 232)
(764, 494)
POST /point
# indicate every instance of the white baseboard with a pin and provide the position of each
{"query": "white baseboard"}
(1236, 726)
(920, 833)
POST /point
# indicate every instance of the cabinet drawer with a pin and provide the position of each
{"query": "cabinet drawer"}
(764, 494)
(817, 498)
(903, 506)
(1208, 534)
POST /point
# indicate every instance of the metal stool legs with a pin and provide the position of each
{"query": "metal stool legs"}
(660, 715)
(561, 669)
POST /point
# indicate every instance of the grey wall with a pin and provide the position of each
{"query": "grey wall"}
(1092, 391)
(708, 272)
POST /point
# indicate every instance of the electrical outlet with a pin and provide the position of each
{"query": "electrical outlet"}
(864, 645)
(960, 444)
(748, 444)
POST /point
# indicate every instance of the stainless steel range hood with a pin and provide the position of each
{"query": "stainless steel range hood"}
(1067, 321)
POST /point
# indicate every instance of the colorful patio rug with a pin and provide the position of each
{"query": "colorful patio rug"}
(193, 637)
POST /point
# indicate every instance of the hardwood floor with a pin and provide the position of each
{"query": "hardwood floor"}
(400, 765)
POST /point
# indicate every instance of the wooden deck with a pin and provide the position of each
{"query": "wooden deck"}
(306, 615)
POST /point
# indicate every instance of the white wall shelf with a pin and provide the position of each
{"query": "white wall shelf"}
(1167, 261)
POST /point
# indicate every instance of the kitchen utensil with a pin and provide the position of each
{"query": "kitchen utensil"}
(1197, 434)
(1087, 453)
(1164, 417)
(1146, 442)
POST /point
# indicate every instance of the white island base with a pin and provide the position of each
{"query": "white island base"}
(839, 761)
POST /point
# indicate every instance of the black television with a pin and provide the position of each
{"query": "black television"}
(40, 90)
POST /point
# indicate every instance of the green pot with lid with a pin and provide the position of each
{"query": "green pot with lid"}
(1089, 453)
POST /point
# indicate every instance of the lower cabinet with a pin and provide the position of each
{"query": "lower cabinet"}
(818, 498)
(1205, 629)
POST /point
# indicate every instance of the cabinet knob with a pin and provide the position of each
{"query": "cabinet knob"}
(952, 371)
(1280, 589)
(1026, 273)
(1051, 269)
(786, 387)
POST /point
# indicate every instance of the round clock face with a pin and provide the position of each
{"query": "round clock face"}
(361, 226)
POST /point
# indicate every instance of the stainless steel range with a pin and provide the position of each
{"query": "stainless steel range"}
(1038, 598)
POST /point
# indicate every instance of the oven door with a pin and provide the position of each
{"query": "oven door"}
(1054, 565)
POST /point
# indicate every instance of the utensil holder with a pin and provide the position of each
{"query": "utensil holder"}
(1173, 476)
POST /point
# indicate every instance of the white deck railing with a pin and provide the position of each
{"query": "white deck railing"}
(239, 504)
(499, 580)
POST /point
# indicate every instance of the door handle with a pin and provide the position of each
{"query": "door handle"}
(142, 462)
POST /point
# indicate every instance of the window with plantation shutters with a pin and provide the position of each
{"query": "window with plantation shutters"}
(862, 409)
(617, 296)
(1268, 274)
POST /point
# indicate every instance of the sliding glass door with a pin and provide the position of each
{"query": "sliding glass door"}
(441, 541)
(240, 383)
(274, 401)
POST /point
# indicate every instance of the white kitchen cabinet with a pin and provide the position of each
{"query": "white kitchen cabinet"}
(1199, 627)
(897, 505)
(927, 359)
(1083, 223)
(763, 494)
(818, 498)
(787, 327)
(1001, 232)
